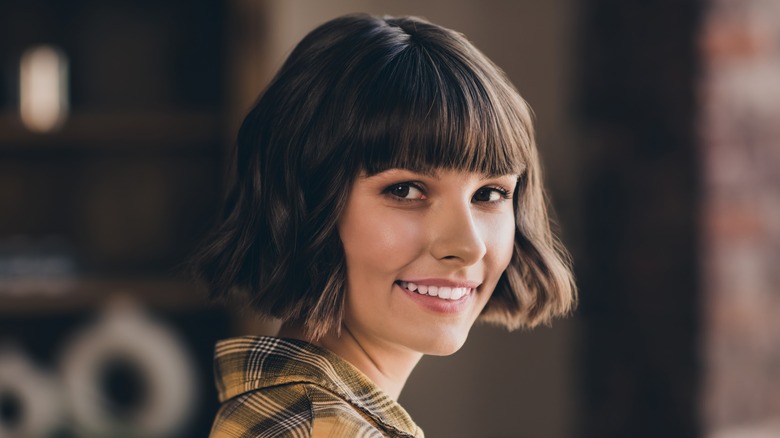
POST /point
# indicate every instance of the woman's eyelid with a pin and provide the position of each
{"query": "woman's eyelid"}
(505, 191)
(506, 185)
(507, 182)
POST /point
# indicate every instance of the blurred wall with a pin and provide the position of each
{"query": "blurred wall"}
(500, 384)
(639, 271)
(740, 98)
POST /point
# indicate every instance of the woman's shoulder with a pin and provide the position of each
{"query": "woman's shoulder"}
(272, 387)
(300, 409)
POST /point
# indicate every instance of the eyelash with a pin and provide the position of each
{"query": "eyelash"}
(503, 192)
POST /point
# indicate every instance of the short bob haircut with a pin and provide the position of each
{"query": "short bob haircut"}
(362, 94)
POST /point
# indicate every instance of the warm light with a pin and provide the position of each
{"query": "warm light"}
(43, 92)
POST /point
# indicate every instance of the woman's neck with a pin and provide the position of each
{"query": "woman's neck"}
(387, 366)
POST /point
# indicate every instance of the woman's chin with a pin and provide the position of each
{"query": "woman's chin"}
(444, 345)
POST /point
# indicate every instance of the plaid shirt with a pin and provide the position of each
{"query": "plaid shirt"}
(272, 387)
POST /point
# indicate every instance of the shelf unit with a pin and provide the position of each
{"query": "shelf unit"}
(130, 181)
(89, 294)
(132, 178)
(185, 130)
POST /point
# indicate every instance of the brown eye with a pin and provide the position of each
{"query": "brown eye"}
(405, 191)
(487, 194)
(402, 191)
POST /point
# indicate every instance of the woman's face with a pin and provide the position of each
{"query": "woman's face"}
(424, 253)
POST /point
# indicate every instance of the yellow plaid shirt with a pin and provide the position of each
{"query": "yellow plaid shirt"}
(273, 387)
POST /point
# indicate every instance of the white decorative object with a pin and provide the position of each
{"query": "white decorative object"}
(125, 335)
(35, 395)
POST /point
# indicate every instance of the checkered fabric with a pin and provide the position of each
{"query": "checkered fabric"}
(273, 387)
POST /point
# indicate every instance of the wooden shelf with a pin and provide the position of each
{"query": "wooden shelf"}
(108, 130)
(91, 293)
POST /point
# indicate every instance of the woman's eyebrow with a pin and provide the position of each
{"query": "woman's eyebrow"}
(434, 173)
(500, 175)
(429, 172)
(519, 172)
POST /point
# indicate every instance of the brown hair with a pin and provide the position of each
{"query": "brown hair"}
(366, 94)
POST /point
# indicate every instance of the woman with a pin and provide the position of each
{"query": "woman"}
(388, 195)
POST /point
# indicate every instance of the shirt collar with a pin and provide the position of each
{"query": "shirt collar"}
(249, 363)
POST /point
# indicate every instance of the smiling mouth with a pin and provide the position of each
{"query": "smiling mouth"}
(442, 292)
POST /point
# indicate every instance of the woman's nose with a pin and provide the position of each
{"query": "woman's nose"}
(456, 235)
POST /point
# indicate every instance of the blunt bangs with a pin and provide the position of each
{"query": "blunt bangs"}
(426, 109)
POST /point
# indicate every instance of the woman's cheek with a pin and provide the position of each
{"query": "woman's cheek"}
(501, 234)
(388, 236)
(404, 228)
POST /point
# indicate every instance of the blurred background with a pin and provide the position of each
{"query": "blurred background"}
(659, 128)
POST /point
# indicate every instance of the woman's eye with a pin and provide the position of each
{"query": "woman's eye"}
(405, 191)
(490, 194)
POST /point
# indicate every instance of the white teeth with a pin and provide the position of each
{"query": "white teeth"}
(443, 292)
(456, 293)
